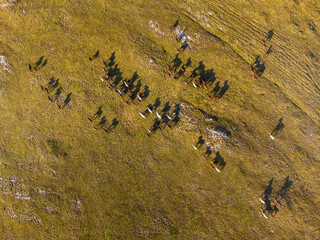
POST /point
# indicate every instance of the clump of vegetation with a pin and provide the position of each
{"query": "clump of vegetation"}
(55, 147)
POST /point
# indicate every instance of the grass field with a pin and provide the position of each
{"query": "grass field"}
(60, 178)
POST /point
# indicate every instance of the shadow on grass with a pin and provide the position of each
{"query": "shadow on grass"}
(201, 77)
(101, 124)
(285, 187)
(176, 62)
(219, 161)
(66, 101)
(207, 153)
(55, 147)
(156, 104)
(224, 89)
(94, 56)
(278, 128)
(57, 94)
(165, 109)
(146, 92)
(135, 90)
(38, 65)
(97, 114)
(269, 35)
(258, 67)
(267, 52)
(175, 24)
(113, 125)
(111, 61)
(200, 143)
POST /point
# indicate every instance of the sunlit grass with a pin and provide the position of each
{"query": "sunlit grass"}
(85, 183)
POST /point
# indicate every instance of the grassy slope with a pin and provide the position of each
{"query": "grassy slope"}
(132, 186)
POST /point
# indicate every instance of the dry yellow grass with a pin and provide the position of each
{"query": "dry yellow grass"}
(62, 179)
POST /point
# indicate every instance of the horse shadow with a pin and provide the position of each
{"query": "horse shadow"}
(97, 114)
(224, 89)
(113, 125)
(156, 104)
(96, 55)
(285, 187)
(66, 101)
(280, 126)
(200, 142)
(219, 161)
(38, 65)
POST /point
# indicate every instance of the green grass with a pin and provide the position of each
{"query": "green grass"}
(88, 184)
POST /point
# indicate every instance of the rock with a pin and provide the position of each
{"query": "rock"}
(3, 64)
